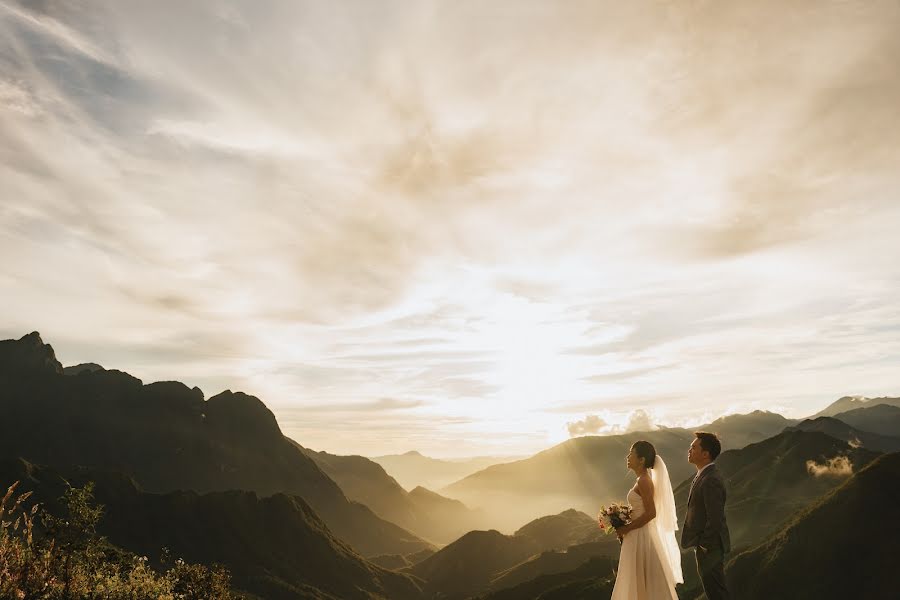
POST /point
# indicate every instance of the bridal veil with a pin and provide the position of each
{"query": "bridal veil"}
(666, 518)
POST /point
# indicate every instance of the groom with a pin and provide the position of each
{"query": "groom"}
(705, 528)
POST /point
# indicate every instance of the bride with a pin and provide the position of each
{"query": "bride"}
(650, 561)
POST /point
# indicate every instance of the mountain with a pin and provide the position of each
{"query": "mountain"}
(449, 518)
(552, 562)
(482, 561)
(413, 469)
(593, 580)
(770, 481)
(393, 562)
(565, 529)
(842, 431)
(167, 437)
(421, 511)
(848, 403)
(466, 566)
(580, 473)
(588, 471)
(276, 547)
(417, 557)
(29, 357)
(737, 431)
(76, 369)
(843, 546)
(883, 419)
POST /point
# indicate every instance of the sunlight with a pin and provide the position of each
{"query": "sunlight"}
(527, 341)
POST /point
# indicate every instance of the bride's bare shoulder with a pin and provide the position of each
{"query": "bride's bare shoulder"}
(643, 482)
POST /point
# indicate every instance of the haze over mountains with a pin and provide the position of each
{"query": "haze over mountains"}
(412, 469)
(420, 510)
(216, 481)
(586, 470)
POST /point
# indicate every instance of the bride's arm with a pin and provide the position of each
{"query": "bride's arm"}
(645, 487)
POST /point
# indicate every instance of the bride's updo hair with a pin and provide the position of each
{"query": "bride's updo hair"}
(645, 450)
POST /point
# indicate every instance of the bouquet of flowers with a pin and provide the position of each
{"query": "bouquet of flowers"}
(614, 515)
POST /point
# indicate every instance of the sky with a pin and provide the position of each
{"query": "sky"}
(459, 227)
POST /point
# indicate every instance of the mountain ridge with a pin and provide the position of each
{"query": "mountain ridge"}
(167, 437)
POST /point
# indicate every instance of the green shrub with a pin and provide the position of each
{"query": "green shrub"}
(50, 557)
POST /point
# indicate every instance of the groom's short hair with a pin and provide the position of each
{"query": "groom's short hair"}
(709, 442)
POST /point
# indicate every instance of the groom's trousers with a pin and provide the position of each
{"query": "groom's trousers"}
(711, 567)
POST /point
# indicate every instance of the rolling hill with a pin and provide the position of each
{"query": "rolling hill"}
(553, 562)
(593, 580)
(883, 419)
(842, 431)
(843, 546)
(484, 561)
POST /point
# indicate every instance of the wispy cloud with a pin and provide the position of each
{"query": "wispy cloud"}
(511, 215)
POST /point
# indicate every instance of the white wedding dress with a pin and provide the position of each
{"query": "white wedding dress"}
(650, 560)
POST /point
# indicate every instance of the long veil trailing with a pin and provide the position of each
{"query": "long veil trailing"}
(666, 519)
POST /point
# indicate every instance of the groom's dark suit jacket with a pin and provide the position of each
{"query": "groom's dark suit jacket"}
(704, 523)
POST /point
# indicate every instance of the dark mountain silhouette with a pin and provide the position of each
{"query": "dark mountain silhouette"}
(421, 511)
(770, 481)
(580, 473)
(883, 419)
(28, 356)
(413, 469)
(843, 546)
(848, 403)
(167, 437)
(76, 369)
(276, 547)
(842, 431)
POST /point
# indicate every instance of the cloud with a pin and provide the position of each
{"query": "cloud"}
(639, 420)
(380, 405)
(635, 421)
(590, 424)
(839, 466)
(325, 205)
